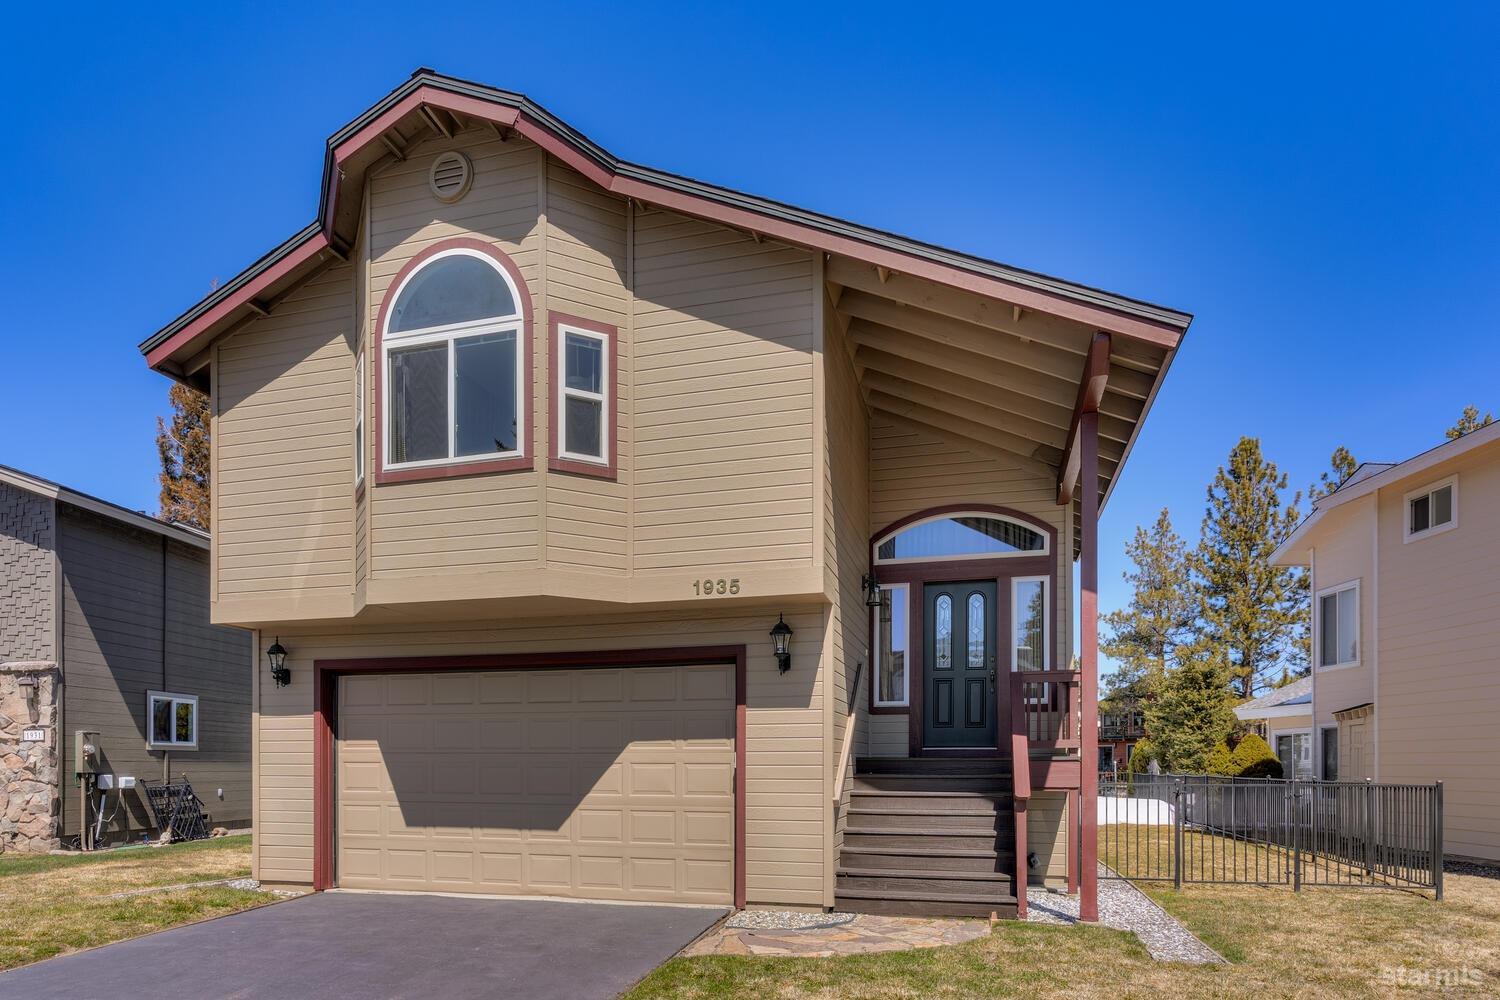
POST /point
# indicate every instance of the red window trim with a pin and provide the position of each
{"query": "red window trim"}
(326, 674)
(609, 468)
(517, 463)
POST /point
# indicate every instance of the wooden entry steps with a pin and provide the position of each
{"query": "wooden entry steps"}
(929, 837)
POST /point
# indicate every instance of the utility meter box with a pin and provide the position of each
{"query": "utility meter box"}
(85, 752)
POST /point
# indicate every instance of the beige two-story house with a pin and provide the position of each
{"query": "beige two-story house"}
(628, 537)
(1406, 624)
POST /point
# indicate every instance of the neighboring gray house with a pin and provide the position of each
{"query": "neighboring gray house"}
(104, 628)
(1284, 717)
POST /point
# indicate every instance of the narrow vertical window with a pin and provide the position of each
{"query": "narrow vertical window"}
(583, 404)
(1028, 608)
(891, 629)
(942, 633)
(976, 631)
(1338, 625)
(359, 418)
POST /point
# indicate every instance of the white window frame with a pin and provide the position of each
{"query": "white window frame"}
(1015, 607)
(359, 417)
(1312, 758)
(564, 330)
(152, 697)
(450, 333)
(1407, 535)
(1045, 550)
(1337, 588)
(905, 701)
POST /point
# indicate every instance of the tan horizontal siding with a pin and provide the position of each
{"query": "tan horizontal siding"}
(1047, 835)
(720, 321)
(276, 380)
(1439, 691)
(785, 803)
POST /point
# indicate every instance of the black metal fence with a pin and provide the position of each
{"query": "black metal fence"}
(1187, 828)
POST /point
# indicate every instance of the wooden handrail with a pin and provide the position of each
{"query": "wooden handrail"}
(843, 771)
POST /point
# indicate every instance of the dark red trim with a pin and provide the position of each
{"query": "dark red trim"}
(554, 369)
(1000, 569)
(325, 720)
(528, 376)
(1088, 630)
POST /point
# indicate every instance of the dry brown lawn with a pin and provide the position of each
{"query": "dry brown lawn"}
(1320, 942)
(52, 905)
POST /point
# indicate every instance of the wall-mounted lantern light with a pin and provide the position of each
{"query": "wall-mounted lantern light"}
(873, 593)
(781, 642)
(280, 673)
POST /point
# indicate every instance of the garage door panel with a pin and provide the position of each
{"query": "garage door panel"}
(612, 783)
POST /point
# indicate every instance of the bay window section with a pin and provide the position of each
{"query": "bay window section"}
(454, 361)
(891, 647)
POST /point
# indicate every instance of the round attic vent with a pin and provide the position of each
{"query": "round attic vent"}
(450, 176)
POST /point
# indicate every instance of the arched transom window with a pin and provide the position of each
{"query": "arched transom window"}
(454, 359)
(961, 536)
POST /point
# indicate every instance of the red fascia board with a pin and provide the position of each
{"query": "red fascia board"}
(1159, 335)
(315, 245)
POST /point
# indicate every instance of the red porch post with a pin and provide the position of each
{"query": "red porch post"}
(1088, 610)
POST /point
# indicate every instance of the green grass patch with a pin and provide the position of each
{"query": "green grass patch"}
(31, 864)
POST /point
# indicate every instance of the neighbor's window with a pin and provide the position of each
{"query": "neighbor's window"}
(454, 356)
(1029, 627)
(891, 646)
(1432, 509)
(1338, 625)
(1330, 753)
(960, 536)
(1295, 751)
(583, 388)
(172, 720)
(359, 418)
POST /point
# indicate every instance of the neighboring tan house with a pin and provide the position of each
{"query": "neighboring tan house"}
(104, 629)
(1405, 563)
(527, 457)
(1283, 717)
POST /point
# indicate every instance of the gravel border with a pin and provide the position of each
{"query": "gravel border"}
(787, 920)
(1124, 907)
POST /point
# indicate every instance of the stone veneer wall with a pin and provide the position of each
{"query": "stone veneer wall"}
(29, 770)
(28, 541)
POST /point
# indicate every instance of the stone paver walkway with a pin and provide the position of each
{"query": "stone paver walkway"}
(863, 935)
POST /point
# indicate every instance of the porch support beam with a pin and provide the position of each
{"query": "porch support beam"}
(1091, 386)
(1088, 609)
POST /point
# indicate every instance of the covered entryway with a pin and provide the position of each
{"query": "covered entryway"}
(602, 783)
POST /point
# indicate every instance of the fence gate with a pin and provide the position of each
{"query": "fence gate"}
(1185, 828)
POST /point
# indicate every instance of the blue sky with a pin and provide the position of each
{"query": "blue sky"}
(1318, 184)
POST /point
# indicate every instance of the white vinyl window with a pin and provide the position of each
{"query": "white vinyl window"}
(359, 418)
(892, 631)
(1338, 625)
(172, 720)
(1295, 751)
(454, 357)
(1030, 623)
(583, 403)
(1432, 509)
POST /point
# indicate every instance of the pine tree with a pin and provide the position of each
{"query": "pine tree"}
(184, 449)
(1191, 713)
(1341, 467)
(1468, 422)
(1254, 613)
(1142, 636)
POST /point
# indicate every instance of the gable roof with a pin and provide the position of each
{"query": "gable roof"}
(112, 511)
(1290, 699)
(1380, 475)
(446, 102)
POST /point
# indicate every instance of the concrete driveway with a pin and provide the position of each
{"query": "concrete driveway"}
(365, 946)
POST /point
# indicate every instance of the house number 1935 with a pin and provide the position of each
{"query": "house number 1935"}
(711, 588)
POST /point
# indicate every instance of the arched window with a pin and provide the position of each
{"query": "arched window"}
(975, 535)
(454, 360)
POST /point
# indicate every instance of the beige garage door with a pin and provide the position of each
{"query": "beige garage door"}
(602, 784)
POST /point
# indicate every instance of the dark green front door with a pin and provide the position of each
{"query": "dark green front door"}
(958, 657)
